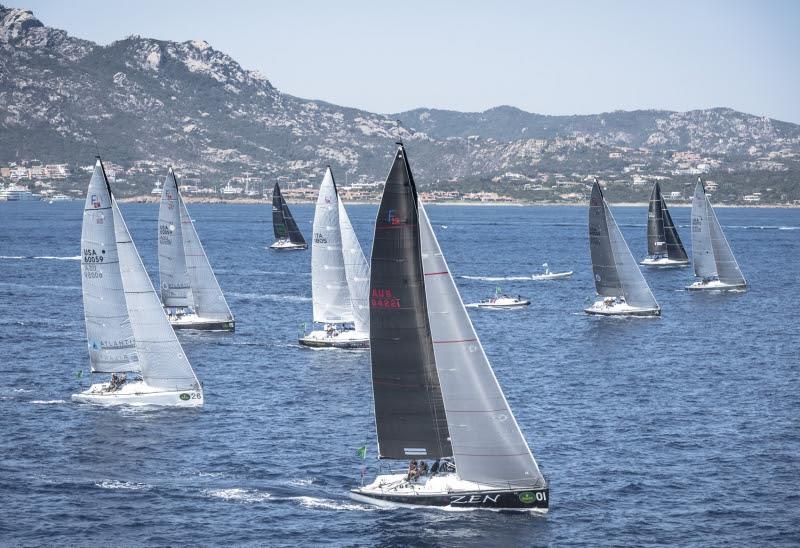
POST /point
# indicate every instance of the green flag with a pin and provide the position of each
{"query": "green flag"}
(79, 374)
(362, 452)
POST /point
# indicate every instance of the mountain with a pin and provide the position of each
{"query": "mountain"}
(63, 99)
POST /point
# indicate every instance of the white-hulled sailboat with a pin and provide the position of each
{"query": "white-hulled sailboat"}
(339, 276)
(664, 246)
(127, 330)
(435, 394)
(190, 291)
(616, 275)
(287, 235)
(712, 257)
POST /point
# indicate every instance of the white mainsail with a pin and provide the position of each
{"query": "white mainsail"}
(108, 329)
(161, 358)
(209, 301)
(487, 443)
(329, 290)
(176, 289)
(357, 271)
(711, 252)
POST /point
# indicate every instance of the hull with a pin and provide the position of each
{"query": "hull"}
(191, 321)
(552, 276)
(450, 493)
(663, 262)
(345, 339)
(283, 245)
(139, 394)
(521, 304)
(715, 285)
(620, 309)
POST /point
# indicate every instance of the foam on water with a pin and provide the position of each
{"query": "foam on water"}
(122, 485)
(271, 297)
(237, 494)
(47, 402)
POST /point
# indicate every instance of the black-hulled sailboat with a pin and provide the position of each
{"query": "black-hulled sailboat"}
(712, 257)
(287, 235)
(436, 396)
(617, 277)
(664, 246)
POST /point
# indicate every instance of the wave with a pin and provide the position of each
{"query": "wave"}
(271, 297)
(329, 504)
(764, 227)
(43, 257)
(46, 402)
(239, 495)
(124, 485)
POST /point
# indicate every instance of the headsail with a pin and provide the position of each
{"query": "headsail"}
(209, 301)
(283, 224)
(725, 266)
(161, 358)
(409, 411)
(357, 271)
(176, 289)
(675, 250)
(329, 290)
(627, 276)
(487, 443)
(108, 329)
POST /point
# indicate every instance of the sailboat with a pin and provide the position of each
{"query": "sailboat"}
(190, 292)
(435, 394)
(500, 301)
(287, 235)
(127, 330)
(664, 246)
(616, 275)
(713, 259)
(339, 276)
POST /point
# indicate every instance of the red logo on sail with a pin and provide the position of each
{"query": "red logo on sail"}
(383, 298)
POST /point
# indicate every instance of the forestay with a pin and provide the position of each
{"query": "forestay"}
(209, 301)
(161, 359)
(487, 443)
(409, 412)
(357, 272)
(108, 329)
(174, 277)
(329, 290)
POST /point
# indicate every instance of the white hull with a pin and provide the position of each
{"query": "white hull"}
(138, 393)
(500, 303)
(342, 339)
(193, 321)
(715, 285)
(552, 276)
(663, 262)
(600, 308)
(286, 245)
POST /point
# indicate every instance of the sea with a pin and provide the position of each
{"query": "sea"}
(682, 430)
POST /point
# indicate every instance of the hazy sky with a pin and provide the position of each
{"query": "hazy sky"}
(547, 57)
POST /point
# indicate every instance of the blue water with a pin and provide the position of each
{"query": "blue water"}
(683, 430)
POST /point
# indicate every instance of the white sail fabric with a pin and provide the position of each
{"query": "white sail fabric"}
(702, 250)
(209, 302)
(161, 358)
(108, 329)
(634, 287)
(487, 443)
(357, 272)
(727, 268)
(329, 290)
(174, 277)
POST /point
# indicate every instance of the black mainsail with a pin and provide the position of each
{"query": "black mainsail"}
(662, 236)
(283, 224)
(409, 411)
(606, 277)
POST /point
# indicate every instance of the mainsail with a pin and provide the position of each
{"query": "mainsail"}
(615, 270)
(662, 236)
(161, 358)
(209, 301)
(108, 329)
(176, 289)
(283, 224)
(487, 443)
(329, 290)
(409, 411)
(356, 270)
(711, 253)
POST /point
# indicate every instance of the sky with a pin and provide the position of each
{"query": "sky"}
(567, 57)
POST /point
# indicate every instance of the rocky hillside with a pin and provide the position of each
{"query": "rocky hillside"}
(63, 99)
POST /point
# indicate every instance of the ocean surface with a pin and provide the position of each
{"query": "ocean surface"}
(683, 430)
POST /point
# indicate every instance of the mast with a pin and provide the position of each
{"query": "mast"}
(409, 411)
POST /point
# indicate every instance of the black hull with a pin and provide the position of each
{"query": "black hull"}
(522, 499)
(207, 326)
